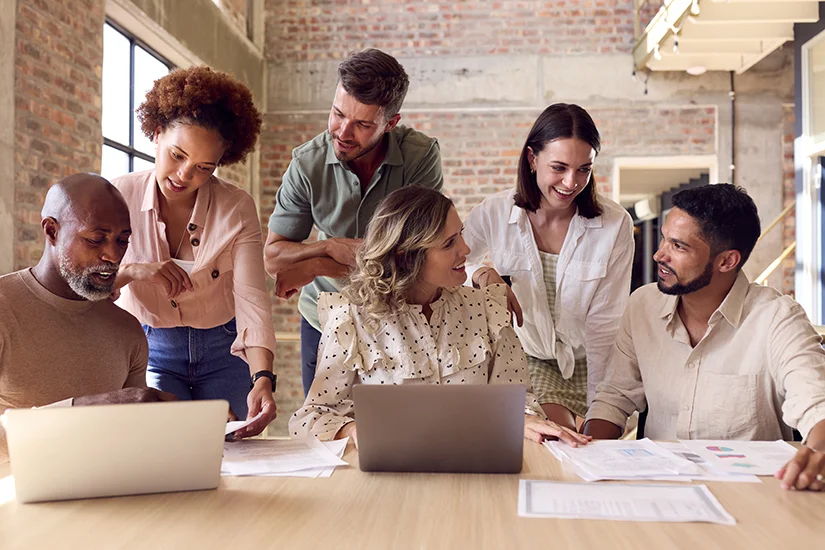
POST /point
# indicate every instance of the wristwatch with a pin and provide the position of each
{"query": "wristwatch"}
(265, 374)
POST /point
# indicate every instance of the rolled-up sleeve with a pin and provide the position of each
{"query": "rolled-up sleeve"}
(622, 391)
(608, 304)
(292, 217)
(428, 173)
(253, 309)
(799, 361)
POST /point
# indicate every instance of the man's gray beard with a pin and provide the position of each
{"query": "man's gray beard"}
(81, 282)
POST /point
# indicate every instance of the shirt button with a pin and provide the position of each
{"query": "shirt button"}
(195, 242)
(686, 408)
(192, 227)
(691, 365)
(215, 273)
(174, 303)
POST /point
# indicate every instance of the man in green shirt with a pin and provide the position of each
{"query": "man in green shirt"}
(336, 181)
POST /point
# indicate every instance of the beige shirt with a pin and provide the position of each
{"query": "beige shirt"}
(228, 273)
(468, 340)
(52, 348)
(758, 370)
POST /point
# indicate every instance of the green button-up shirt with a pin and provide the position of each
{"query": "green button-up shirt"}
(320, 190)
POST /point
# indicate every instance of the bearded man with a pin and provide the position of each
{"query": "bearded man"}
(62, 340)
(710, 355)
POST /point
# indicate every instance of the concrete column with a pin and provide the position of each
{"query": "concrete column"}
(8, 14)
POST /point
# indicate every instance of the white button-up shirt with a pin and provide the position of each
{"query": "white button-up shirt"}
(758, 370)
(592, 279)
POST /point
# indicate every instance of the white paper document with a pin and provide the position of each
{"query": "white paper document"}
(642, 459)
(622, 502)
(337, 447)
(238, 424)
(277, 456)
(710, 473)
(760, 458)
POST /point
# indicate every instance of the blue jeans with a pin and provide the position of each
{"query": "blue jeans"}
(196, 364)
(310, 338)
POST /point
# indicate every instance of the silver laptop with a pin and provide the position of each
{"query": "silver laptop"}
(439, 428)
(112, 450)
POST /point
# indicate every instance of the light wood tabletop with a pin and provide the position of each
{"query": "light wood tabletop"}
(353, 509)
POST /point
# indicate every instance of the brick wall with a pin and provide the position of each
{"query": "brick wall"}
(325, 29)
(238, 174)
(57, 106)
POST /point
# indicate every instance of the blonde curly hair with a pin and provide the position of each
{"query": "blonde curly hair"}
(406, 225)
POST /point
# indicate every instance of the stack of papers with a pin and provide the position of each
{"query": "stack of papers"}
(673, 503)
(283, 457)
(761, 458)
(623, 460)
(645, 459)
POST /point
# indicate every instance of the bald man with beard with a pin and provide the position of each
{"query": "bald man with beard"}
(62, 340)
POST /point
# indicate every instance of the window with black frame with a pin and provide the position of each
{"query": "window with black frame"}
(129, 71)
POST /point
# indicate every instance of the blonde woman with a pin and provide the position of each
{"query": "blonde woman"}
(405, 318)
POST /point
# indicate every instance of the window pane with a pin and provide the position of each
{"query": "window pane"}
(140, 165)
(114, 163)
(147, 70)
(115, 85)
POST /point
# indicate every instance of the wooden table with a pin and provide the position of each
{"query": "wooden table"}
(353, 509)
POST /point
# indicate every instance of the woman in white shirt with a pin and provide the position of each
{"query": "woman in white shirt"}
(405, 318)
(568, 253)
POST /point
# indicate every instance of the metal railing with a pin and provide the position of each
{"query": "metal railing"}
(762, 279)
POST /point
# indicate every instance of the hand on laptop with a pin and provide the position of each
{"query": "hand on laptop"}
(536, 429)
(126, 395)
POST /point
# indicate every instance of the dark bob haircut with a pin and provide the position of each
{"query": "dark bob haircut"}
(558, 121)
(375, 78)
(727, 217)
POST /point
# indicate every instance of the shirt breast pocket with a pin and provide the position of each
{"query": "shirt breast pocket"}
(728, 404)
(514, 265)
(219, 277)
(581, 281)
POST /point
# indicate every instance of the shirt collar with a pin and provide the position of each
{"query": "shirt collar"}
(202, 201)
(733, 304)
(517, 212)
(150, 195)
(730, 308)
(393, 156)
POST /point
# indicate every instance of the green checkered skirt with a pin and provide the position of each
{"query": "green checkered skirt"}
(550, 387)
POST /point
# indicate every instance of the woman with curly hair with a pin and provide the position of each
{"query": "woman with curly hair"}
(405, 318)
(193, 274)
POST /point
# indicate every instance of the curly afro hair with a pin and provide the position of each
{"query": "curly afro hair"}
(207, 98)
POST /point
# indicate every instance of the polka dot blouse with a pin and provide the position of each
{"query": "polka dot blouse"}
(468, 340)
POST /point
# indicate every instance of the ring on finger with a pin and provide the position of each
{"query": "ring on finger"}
(820, 478)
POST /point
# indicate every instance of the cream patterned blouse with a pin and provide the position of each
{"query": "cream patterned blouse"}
(468, 340)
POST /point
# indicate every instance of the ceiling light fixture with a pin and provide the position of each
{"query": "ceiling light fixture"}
(657, 55)
(694, 8)
(696, 70)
